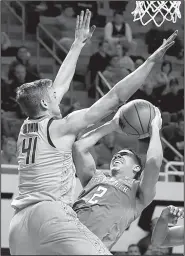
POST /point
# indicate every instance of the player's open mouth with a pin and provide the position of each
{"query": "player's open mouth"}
(118, 161)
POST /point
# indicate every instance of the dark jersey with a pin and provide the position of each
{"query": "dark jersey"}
(107, 206)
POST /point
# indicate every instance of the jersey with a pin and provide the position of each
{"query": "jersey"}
(45, 172)
(107, 206)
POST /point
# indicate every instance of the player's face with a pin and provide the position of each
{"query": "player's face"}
(124, 162)
(53, 105)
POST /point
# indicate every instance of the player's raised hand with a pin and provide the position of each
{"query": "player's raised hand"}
(159, 53)
(83, 31)
(157, 121)
(172, 214)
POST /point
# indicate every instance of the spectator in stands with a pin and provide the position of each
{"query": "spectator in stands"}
(98, 62)
(18, 77)
(125, 61)
(8, 153)
(161, 79)
(139, 60)
(66, 23)
(145, 93)
(175, 135)
(173, 96)
(118, 31)
(6, 48)
(23, 56)
(114, 73)
(66, 20)
(5, 129)
(133, 249)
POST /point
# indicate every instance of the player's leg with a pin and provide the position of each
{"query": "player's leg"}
(53, 229)
(63, 234)
(19, 240)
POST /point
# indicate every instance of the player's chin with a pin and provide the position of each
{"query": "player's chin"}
(115, 166)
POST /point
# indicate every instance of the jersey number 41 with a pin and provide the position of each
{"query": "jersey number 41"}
(30, 149)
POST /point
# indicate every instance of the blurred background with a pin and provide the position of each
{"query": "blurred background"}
(35, 38)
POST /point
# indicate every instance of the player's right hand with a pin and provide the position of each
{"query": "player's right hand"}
(83, 33)
(159, 53)
(157, 121)
(172, 213)
(115, 122)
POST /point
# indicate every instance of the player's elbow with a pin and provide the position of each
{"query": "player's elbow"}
(155, 162)
(78, 147)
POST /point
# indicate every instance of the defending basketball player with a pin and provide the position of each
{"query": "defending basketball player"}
(44, 222)
(165, 236)
(110, 202)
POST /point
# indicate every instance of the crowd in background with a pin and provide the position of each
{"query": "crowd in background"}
(114, 57)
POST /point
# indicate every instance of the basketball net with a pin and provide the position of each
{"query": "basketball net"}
(168, 10)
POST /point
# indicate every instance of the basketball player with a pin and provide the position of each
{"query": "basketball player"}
(165, 236)
(110, 202)
(44, 222)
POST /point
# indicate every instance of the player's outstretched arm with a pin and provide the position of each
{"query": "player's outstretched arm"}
(83, 160)
(118, 94)
(66, 72)
(154, 157)
(165, 236)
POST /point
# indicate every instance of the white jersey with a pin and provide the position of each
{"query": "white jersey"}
(45, 172)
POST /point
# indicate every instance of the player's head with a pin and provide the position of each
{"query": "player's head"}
(126, 163)
(38, 98)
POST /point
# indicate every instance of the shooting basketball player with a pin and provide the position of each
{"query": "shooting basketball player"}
(110, 202)
(44, 222)
(165, 236)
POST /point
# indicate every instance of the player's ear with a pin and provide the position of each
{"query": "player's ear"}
(136, 168)
(44, 104)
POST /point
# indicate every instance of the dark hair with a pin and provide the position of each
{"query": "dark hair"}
(29, 96)
(164, 63)
(119, 12)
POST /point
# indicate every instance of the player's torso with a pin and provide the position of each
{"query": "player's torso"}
(45, 172)
(107, 207)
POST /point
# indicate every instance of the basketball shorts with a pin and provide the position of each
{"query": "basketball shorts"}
(52, 228)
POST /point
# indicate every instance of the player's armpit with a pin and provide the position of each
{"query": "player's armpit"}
(84, 164)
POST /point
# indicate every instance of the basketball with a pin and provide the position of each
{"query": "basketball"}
(135, 118)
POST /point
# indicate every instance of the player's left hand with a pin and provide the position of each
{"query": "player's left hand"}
(172, 213)
(167, 43)
(83, 33)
